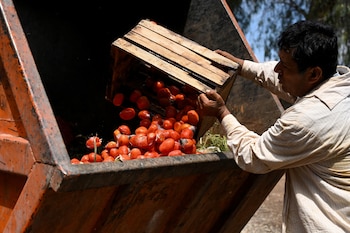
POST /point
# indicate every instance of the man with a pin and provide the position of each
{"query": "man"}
(311, 140)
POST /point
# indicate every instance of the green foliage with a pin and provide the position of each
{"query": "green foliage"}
(212, 142)
(274, 17)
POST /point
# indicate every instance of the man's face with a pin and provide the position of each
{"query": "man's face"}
(292, 81)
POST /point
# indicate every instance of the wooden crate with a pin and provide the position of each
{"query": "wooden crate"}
(151, 50)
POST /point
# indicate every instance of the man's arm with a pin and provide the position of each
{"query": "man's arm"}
(261, 73)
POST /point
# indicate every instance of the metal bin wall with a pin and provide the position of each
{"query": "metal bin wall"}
(48, 72)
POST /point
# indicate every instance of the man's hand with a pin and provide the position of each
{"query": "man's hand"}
(212, 104)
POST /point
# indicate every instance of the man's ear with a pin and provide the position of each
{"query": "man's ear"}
(315, 75)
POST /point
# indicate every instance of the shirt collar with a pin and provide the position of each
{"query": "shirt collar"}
(335, 89)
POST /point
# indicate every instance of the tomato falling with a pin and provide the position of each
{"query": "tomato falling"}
(127, 114)
(169, 134)
(118, 99)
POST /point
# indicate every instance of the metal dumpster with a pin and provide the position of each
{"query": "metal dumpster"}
(54, 66)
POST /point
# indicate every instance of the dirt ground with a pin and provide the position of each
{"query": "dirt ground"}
(268, 217)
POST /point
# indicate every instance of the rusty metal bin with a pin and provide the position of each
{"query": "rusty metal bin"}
(40, 191)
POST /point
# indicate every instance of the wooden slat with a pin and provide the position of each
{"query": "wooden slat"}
(210, 54)
(201, 71)
(177, 53)
(176, 73)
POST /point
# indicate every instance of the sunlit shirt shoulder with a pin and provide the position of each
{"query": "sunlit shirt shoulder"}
(333, 90)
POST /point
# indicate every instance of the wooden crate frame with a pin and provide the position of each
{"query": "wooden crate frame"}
(183, 61)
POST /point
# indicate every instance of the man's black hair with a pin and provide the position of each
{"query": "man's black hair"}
(313, 44)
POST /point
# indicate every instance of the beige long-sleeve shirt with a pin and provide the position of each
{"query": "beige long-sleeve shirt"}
(311, 140)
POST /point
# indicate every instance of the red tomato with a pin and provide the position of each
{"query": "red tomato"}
(124, 129)
(172, 119)
(114, 152)
(187, 133)
(179, 97)
(127, 114)
(94, 157)
(135, 152)
(186, 125)
(178, 126)
(145, 122)
(135, 94)
(123, 140)
(174, 134)
(111, 144)
(175, 153)
(116, 134)
(192, 117)
(153, 128)
(163, 93)
(157, 118)
(184, 118)
(93, 142)
(105, 153)
(118, 99)
(124, 150)
(151, 154)
(75, 161)
(155, 154)
(188, 146)
(167, 132)
(123, 157)
(141, 130)
(161, 135)
(157, 85)
(139, 141)
(151, 137)
(166, 146)
(144, 114)
(167, 124)
(85, 159)
(143, 103)
(180, 101)
(108, 159)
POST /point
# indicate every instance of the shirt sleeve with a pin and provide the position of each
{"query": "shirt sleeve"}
(284, 145)
(264, 75)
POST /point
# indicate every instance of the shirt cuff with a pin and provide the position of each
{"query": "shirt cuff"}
(229, 122)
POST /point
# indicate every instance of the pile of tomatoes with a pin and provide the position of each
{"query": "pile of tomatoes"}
(170, 133)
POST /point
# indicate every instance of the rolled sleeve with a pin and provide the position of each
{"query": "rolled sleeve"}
(264, 75)
(241, 142)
